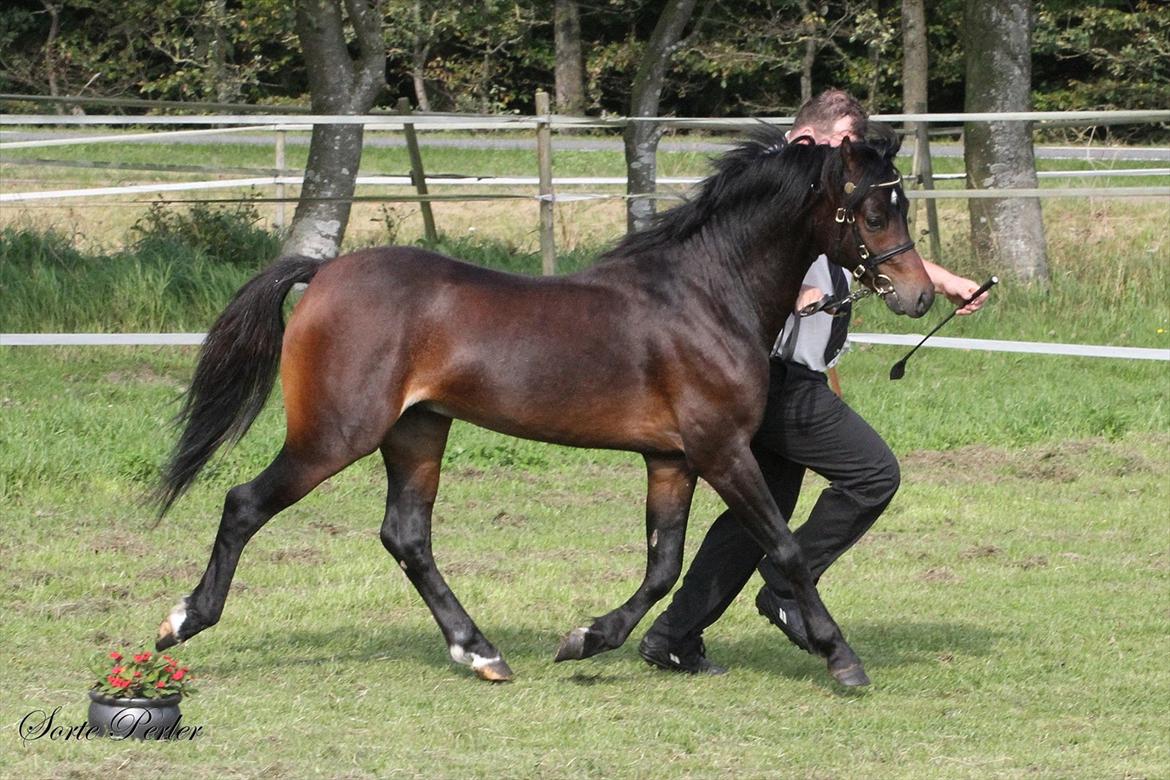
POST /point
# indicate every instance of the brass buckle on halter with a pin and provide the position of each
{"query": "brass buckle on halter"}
(882, 285)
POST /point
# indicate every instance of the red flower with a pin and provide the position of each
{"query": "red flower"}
(179, 674)
(138, 674)
(160, 684)
(116, 655)
(118, 682)
(142, 658)
(117, 669)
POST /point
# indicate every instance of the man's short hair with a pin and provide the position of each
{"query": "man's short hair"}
(822, 112)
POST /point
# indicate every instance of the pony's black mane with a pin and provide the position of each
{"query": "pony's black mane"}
(765, 171)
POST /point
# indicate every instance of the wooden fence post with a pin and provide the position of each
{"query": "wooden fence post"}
(416, 172)
(278, 163)
(548, 252)
(923, 173)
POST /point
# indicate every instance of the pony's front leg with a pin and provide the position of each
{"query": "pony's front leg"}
(668, 503)
(737, 479)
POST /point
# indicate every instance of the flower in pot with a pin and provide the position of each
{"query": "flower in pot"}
(137, 695)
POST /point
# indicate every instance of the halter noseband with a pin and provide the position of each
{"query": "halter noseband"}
(869, 261)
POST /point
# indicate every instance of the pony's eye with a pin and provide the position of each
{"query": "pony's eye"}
(874, 222)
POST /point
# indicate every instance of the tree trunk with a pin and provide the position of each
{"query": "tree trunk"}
(420, 48)
(570, 64)
(915, 60)
(874, 50)
(223, 83)
(51, 52)
(1006, 233)
(338, 84)
(809, 59)
(915, 69)
(641, 138)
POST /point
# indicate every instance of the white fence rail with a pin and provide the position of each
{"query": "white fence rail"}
(907, 339)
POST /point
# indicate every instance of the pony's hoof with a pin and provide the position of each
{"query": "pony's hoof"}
(494, 671)
(852, 676)
(168, 630)
(165, 641)
(572, 647)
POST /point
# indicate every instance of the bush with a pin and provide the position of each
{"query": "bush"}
(227, 234)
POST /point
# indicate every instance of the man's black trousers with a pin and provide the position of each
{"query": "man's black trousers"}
(805, 426)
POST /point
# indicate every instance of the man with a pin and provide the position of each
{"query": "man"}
(805, 426)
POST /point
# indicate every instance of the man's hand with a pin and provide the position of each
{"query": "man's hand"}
(808, 296)
(956, 288)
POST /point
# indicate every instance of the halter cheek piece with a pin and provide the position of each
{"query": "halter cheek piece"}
(868, 265)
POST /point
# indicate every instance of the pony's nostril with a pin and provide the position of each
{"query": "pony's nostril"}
(924, 301)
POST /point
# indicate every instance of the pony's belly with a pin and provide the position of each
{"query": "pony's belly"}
(586, 428)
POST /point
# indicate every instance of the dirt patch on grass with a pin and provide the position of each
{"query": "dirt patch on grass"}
(142, 374)
(305, 556)
(1061, 462)
(939, 574)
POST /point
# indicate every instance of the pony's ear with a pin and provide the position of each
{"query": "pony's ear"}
(848, 158)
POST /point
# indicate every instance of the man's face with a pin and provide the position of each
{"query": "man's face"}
(841, 129)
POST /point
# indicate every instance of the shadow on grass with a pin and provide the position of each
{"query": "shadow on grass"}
(881, 645)
(520, 646)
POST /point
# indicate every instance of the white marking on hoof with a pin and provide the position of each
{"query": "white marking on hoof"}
(402, 565)
(174, 621)
(478, 661)
(474, 660)
(674, 659)
(654, 539)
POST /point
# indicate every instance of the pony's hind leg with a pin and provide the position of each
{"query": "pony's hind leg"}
(668, 504)
(246, 509)
(413, 452)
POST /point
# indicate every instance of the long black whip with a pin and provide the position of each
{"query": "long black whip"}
(898, 370)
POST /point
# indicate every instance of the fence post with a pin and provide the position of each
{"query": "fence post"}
(924, 174)
(548, 252)
(416, 172)
(278, 163)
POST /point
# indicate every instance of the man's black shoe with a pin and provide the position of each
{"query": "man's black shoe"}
(656, 652)
(785, 615)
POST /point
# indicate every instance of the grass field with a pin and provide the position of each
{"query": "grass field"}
(1012, 606)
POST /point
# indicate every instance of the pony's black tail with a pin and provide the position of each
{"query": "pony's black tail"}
(236, 371)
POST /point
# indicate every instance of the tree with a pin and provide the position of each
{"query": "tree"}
(1005, 232)
(570, 64)
(339, 83)
(641, 138)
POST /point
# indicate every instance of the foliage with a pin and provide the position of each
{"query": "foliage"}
(1108, 55)
(737, 57)
(141, 675)
(176, 49)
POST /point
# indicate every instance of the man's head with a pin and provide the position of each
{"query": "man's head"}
(830, 117)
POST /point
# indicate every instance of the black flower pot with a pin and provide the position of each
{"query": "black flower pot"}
(134, 718)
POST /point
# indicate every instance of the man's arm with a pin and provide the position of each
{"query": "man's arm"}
(955, 287)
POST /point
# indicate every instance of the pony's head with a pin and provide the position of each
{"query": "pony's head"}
(861, 222)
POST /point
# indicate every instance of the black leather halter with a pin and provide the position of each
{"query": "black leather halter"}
(881, 283)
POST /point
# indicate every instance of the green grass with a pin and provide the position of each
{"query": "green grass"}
(1010, 605)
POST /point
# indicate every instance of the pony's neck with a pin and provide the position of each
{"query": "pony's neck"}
(762, 272)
